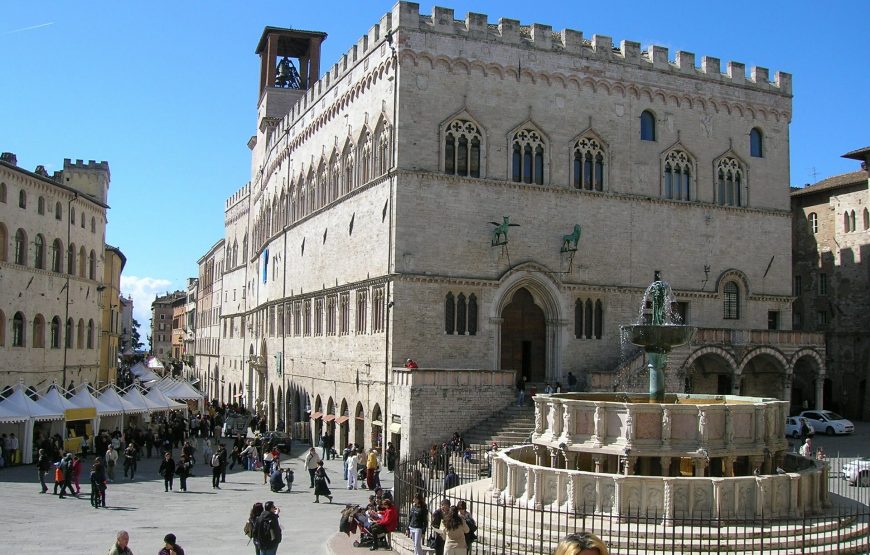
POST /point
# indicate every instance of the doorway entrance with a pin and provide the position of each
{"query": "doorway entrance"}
(524, 337)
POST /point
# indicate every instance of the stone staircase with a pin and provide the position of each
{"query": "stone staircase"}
(512, 425)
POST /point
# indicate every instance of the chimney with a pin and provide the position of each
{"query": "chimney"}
(40, 170)
(10, 158)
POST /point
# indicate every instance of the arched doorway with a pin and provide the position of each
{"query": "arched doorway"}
(217, 382)
(710, 371)
(763, 374)
(524, 337)
(359, 426)
(377, 428)
(329, 421)
(317, 430)
(805, 383)
(271, 407)
(280, 417)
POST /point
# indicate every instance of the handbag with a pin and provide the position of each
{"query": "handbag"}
(432, 540)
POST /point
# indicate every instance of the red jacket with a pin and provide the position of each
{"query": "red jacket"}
(390, 519)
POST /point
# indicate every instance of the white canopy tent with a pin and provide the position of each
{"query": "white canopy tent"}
(157, 396)
(179, 390)
(143, 373)
(135, 397)
(18, 405)
(155, 364)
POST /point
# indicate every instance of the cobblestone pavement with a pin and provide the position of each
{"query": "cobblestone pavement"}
(205, 521)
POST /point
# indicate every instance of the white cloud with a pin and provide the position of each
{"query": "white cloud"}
(143, 290)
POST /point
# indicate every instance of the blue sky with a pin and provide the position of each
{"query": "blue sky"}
(166, 92)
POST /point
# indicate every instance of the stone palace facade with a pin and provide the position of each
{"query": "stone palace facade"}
(378, 224)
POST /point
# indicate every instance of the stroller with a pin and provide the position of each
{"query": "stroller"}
(371, 535)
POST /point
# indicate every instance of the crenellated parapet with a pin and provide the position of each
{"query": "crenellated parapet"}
(238, 195)
(568, 41)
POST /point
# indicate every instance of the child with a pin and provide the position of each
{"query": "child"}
(289, 479)
(58, 478)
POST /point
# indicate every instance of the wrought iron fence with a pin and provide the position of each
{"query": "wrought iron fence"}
(509, 529)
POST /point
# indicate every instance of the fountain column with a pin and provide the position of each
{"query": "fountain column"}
(700, 466)
(666, 465)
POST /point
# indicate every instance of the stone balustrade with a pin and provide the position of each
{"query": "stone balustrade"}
(685, 426)
(518, 481)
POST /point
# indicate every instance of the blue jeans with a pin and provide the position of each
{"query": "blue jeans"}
(270, 551)
(521, 397)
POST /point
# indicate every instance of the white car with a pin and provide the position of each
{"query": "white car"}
(857, 472)
(793, 426)
(829, 422)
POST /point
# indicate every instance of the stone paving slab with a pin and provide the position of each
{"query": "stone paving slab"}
(205, 521)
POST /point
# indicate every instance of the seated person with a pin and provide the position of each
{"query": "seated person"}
(276, 480)
(389, 519)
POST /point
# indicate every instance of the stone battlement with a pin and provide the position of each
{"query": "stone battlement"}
(542, 37)
(238, 195)
(68, 164)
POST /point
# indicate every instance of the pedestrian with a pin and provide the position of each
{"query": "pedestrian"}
(111, 459)
(12, 450)
(521, 391)
(170, 547)
(77, 473)
(66, 471)
(438, 516)
(222, 454)
(130, 459)
(311, 460)
(250, 526)
(471, 536)
(418, 520)
(350, 472)
(582, 543)
(391, 456)
(451, 478)
(371, 465)
(183, 469)
(806, 449)
(572, 382)
(121, 546)
(288, 477)
(58, 478)
(361, 467)
(268, 457)
(216, 470)
(324, 446)
(267, 530)
(167, 470)
(98, 484)
(453, 529)
(321, 479)
(43, 465)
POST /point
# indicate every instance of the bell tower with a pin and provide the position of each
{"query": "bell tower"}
(289, 66)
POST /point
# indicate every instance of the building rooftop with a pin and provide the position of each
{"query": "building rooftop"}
(861, 154)
(836, 182)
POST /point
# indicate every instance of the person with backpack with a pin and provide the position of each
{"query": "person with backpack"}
(267, 531)
(250, 525)
(216, 470)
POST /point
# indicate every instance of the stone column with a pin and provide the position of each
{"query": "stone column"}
(508, 492)
(537, 498)
(736, 381)
(729, 466)
(700, 466)
(554, 457)
(313, 61)
(630, 464)
(795, 510)
(666, 465)
(600, 432)
(496, 324)
(717, 509)
(558, 418)
(597, 461)
(820, 391)
(567, 424)
(786, 386)
(666, 427)
(540, 455)
(756, 462)
(668, 502)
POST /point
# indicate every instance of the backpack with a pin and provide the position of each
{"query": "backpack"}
(263, 531)
(215, 460)
(249, 528)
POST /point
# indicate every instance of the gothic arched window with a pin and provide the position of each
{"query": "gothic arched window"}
(588, 165)
(647, 126)
(57, 256)
(677, 177)
(729, 174)
(449, 314)
(20, 247)
(462, 148)
(39, 252)
(472, 314)
(461, 314)
(18, 339)
(527, 157)
(756, 143)
(578, 319)
(55, 332)
(731, 306)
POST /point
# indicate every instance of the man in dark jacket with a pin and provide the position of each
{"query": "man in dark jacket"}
(66, 468)
(43, 465)
(268, 531)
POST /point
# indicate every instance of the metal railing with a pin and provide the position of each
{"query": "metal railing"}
(506, 528)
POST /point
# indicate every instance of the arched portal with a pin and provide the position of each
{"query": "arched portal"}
(524, 337)
(217, 382)
(763, 374)
(807, 382)
(271, 411)
(710, 371)
(358, 426)
(317, 420)
(281, 415)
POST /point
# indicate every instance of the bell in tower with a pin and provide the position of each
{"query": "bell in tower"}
(286, 75)
(290, 59)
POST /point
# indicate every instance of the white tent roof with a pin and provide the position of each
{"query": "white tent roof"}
(157, 396)
(9, 417)
(143, 373)
(19, 404)
(135, 397)
(175, 389)
(84, 399)
(110, 397)
(54, 401)
(155, 364)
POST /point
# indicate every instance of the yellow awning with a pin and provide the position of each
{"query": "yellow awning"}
(80, 414)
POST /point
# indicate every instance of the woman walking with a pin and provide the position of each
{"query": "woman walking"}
(418, 520)
(98, 484)
(320, 481)
(256, 511)
(183, 470)
(167, 470)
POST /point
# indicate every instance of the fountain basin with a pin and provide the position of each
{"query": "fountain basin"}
(658, 339)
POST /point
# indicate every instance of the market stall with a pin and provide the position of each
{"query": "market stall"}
(17, 405)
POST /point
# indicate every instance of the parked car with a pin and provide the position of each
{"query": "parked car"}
(857, 472)
(793, 425)
(281, 440)
(829, 422)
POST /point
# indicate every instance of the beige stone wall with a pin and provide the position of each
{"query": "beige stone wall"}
(33, 291)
